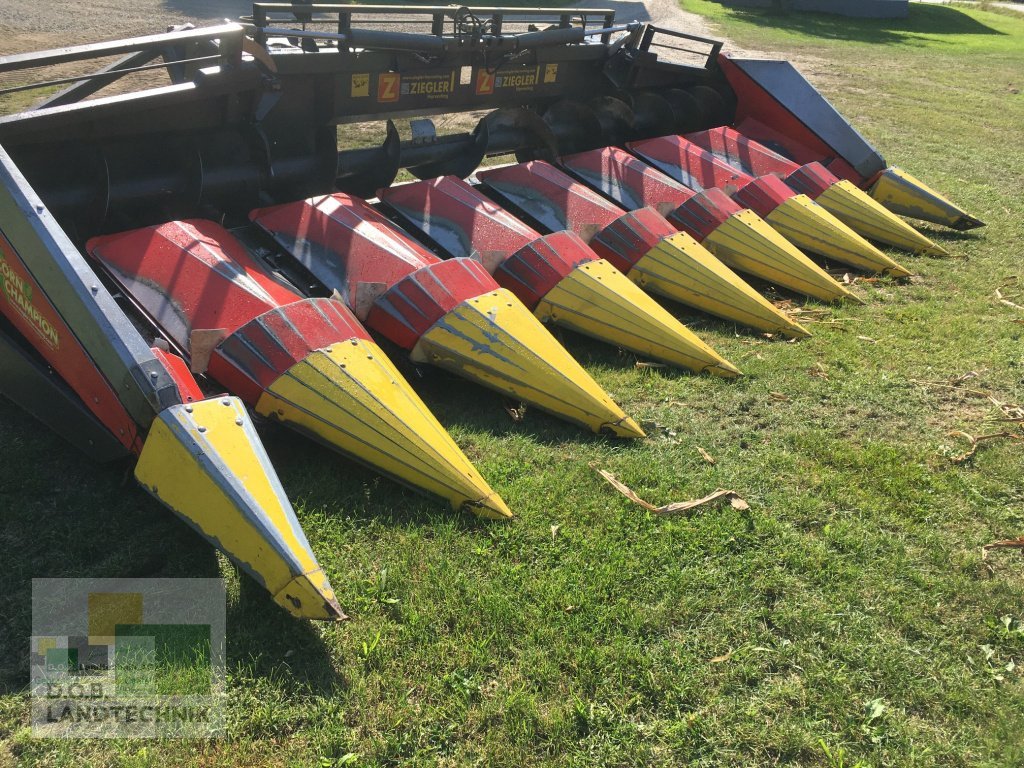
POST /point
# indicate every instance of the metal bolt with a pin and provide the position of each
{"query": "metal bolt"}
(202, 429)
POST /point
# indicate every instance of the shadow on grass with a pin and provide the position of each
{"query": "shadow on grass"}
(924, 20)
(64, 516)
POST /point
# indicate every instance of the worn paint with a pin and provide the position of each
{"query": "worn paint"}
(901, 193)
(746, 242)
(557, 276)
(796, 217)
(474, 341)
(811, 228)
(307, 363)
(351, 395)
(205, 462)
(449, 313)
(598, 300)
(840, 197)
(641, 243)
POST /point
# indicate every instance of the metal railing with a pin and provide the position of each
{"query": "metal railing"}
(444, 21)
(225, 40)
(705, 52)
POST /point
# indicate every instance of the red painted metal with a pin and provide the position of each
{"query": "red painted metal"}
(631, 237)
(704, 213)
(557, 201)
(733, 147)
(466, 224)
(416, 302)
(458, 218)
(191, 275)
(699, 168)
(195, 276)
(188, 388)
(532, 271)
(549, 197)
(689, 164)
(763, 194)
(411, 288)
(628, 181)
(252, 358)
(25, 304)
(637, 185)
(758, 160)
(760, 116)
(811, 179)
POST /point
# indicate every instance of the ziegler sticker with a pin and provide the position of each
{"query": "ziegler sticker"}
(515, 79)
(392, 85)
(436, 86)
(388, 84)
(484, 82)
(18, 290)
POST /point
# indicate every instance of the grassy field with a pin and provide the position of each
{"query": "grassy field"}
(846, 619)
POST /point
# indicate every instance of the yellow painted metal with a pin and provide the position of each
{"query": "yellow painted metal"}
(494, 340)
(205, 461)
(811, 228)
(351, 397)
(685, 271)
(901, 193)
(748, 244)
(597, 300)
(868, 218)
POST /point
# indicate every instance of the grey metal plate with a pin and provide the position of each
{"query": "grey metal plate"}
(782, 80)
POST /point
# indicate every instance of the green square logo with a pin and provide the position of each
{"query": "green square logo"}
(165, 659)
(62, 659)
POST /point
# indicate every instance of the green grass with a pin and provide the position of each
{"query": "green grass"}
(846, 619)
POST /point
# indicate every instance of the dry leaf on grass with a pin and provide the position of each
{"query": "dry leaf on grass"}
(705, 455)
(945, 385)
(720, 659)
(679, 506)
(781, 397)
(1017, 543)
(1006, 301)
(976, 441)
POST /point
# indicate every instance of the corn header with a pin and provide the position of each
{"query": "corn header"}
(177, 258)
